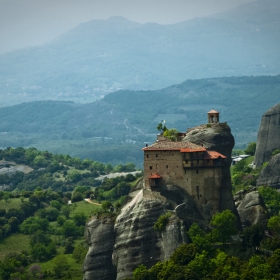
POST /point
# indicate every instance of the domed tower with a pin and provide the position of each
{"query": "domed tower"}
(213, 116)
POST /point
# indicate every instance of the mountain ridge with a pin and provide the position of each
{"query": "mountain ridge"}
(102, 56)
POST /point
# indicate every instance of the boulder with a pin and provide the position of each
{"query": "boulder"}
(252, 209)
(268, 135)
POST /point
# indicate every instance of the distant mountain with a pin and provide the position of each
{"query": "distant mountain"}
(102, 56)
(115, 128)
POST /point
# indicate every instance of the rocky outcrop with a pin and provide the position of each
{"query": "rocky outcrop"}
(268, 135)
(217, 137)
(100, 236)
(134, 240)
(251, 208)
(137, 242)
(270, 175)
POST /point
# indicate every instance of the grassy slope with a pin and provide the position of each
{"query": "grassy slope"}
(14, 244)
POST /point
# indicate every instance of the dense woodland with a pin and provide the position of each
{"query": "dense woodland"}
(116, 128)
(41, 234)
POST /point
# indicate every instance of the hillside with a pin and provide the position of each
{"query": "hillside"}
(102, 56)
(115, 128)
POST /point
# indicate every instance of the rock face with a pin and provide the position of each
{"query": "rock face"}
(100, 236)
(251, 208)
(137, 242)
(268, 135)
(217, 137)
(270, 175)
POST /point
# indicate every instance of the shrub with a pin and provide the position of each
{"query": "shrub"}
(162, 221)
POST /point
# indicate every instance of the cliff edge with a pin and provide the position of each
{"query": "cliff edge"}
(268, 135)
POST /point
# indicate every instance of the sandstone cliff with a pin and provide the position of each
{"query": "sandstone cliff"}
(270, 175)
(268, 135)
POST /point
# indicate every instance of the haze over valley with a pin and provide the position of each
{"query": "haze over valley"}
(117, 60)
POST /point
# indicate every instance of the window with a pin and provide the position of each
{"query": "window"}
(147, 156)
(151, 167)
(166, 166)
(196, 171)
(156, 155)
(187, 161)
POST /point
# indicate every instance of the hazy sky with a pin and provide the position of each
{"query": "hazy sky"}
(31, 22)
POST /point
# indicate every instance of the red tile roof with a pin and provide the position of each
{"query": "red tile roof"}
(171, 145)
(155, 176)
(189, 150)
(213, 155)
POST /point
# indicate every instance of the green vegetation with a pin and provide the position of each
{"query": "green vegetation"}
(275, 152)
(251, 149)
(271, 198)
(162, 221)
(38, 226)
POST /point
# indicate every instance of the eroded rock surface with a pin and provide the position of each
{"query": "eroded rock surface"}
(270, 175)
(137, 242)
(100, 235)
(251, 208)
(268, 135)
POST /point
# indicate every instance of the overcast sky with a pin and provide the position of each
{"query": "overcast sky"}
(31, 22)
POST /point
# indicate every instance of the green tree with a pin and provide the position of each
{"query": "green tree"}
(274, 224)
(80, 219)
(225, 225)
(253, 235)
(79, 253)
(40, 161)
(75, 176)
(39, 252)
(32, 224)
(184, 254)
(271, 199)
(251, 148)
(69, 229)
(201, 265)
(171, 133)
(39, 237)
(61, 266)
(161, 127)
(65, 210)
